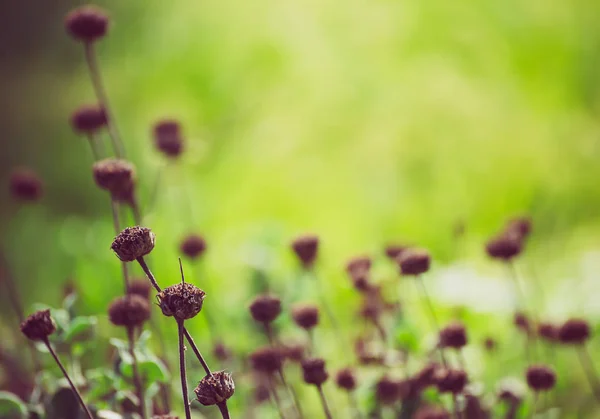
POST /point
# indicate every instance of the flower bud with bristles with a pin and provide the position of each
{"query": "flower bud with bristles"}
(574, 331)
(87, 23)
(133, 243)
(168, 138)
(453, 336)
(306, 248)
(129, 311)
(504, 247)
(25, 185)
(182, 301)
(305, 315)
(117, 176)
(540, 377)
(414, 262)
(193, 246)
(88, 119)
(314, 372)
(346, 379)
(265, 308)
(38, 326)
(215, 389)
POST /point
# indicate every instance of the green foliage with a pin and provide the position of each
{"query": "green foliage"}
(11, 407)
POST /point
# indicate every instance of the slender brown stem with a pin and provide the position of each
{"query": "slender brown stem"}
(136, 375)
(189, 338)
(64, 371)
(184, 388)
(432, 314)
(223, 409)
(117, 226)
(590, 371)
(275, 398)
(324, 402)
(94, 69)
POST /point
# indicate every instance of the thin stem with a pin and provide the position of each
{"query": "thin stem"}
(184, 388)
(64, 371)
(275, 398)
(590, 371)
(311, 340)
(531, 336)
(93, 147)
(434, 319)
(354, 405)
(94, 69)
(535, 402)
(117, 226)
(136, 375)
(223, 409)
(189, 338)
(324, 402)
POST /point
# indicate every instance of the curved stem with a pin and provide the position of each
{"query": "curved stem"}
(64, 371)
(94, 69)
(136, 375)
(324, 402)
(434, 319)
(184, 388)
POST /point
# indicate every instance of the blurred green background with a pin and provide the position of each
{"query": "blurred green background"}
(366, 122)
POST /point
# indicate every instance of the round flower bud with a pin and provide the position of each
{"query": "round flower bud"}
(193, 246)
(346, 379)
(548, 331)
(305, 315)
(414, 262)
(266, 359)
(394, 251)
(306, 248)
(141, 287)
(88, 119)
(453, 336)
(25, 185)
(314, 372)
(133, 243)
(215, 389)
(293, 351)
(129, 311)
(168, 138)
(182, 301)
(540, 378)
(451, 380)
(387, 390)
(574, 331)
(265, 308)
(505, 247)
(87, 23)
(431, 412)
(114, 175)
(358, 265)
(38, 326)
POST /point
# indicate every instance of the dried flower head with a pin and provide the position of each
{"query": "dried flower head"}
(505, 246)
(548, 331)
(540, 377)
(305, 315)
(182, 301)
(265, 308)
(346, 379)
(215, 389)
(129, 311)
(221, 352)
(314, 371)
(414, 262)
(387, 390)
(193, 246)
(88, 118)
(25, 185)
(117, 176)
(168, 138)
(87, 23)
(38, 326)
(141, 287)
(306, 248)
(133, 243)
(451, 380)
(359, 265)
(453, 336)
(394, 251)
(267, 360)
(431, 412)
(574, 331)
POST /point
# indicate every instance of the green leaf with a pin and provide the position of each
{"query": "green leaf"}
(151, 370)
(11, 407)
(81, 328)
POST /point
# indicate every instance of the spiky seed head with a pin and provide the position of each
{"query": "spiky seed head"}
(358, 265)
(346, 379)
(306, 248)
(214, 389)
(129, 311)
(574, 332)
(504, 247)
(305, 315)
(540, 377)
(39, 325)
(25, 185)
(133, 243)
(88, 119)
(141, 287)
(267, 360)
(414, 262)
(314, 372)
(193, 246)
(87, 23)
(182, 301)
(450, 380)
(265, 308)
(453, 336)
(168, 138)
